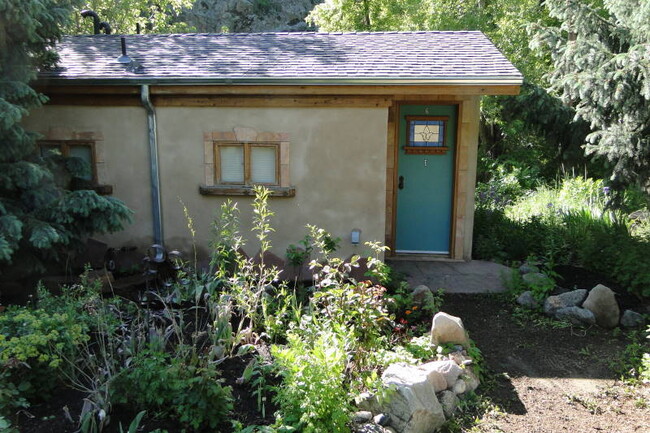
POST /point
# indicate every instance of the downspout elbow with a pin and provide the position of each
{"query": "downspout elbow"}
(156, 203)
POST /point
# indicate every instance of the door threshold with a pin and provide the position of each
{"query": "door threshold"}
(422, 257)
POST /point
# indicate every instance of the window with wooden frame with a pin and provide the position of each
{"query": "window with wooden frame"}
(84, 150)
(426, 135)
(237, 160)
(247, 163)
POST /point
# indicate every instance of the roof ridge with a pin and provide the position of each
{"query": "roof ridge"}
(387, 32)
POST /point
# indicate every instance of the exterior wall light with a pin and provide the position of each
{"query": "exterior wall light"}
(355, 236)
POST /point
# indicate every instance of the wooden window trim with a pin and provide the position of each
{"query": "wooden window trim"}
(247, 146)
(65, 151)
(237, 136)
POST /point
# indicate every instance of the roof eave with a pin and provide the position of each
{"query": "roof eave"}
(515, 80)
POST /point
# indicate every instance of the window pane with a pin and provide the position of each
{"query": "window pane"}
(232, 163)
(49, 149)
(426, 133)
(263, 164)
(86, 154)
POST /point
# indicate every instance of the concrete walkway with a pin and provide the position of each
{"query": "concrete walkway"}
(475, 276)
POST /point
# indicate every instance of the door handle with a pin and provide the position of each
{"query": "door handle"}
(400, 184)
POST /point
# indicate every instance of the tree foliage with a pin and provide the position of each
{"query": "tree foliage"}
(126, 16)
(38, 218)
(601, 57)
(533, 121)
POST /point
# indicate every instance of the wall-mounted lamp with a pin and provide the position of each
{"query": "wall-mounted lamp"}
(355, 236)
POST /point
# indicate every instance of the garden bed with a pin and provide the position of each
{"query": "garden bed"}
(542, 377)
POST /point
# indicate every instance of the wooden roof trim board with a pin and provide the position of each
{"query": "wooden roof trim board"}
(297, 90)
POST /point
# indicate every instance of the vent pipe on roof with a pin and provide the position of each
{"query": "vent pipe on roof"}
(123, 58)
(98, 26)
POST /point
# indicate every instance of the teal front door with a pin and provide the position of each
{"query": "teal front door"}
(427, 142)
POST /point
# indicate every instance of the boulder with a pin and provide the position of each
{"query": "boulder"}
(446, 328)
(361, 417)
(449, 402)
(459, 387)
(446, 369)
(382, 419)
(422, 296)
(537, 279)
(576, 315)
(413, 406)
(632, 319)
(565, 300)
(527, 300)
(528, 269)
(602, 302)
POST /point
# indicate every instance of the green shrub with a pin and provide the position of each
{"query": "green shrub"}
(167, 386)
(568, 224)
(34, 344)
(313, 397)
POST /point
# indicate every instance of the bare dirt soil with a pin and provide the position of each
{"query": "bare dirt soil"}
(546, 379)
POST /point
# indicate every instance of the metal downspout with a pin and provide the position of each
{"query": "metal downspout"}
(156, 206)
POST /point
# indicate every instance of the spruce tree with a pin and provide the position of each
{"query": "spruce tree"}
(39, 219)
(601, 55)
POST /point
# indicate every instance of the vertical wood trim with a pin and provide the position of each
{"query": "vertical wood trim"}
(455, 248)
(391, 176)
(472, 158)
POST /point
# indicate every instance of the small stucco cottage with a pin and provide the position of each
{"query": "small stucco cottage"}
(371, 132)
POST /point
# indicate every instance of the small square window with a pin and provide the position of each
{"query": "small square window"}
(246, 163)
(72, 149)
(425, 135)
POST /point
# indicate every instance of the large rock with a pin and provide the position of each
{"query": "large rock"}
(413, 406)
(565, 300)
(602, 302)
(422, 296)
(527, 300)
(449, 402)
(576, 315)
(446, 328)
(446, 369)
(632, 319)
(537, 279)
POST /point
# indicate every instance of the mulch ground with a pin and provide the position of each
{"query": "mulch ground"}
(546, 379)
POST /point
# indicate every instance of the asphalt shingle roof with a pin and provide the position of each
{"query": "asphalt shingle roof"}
(390, 57)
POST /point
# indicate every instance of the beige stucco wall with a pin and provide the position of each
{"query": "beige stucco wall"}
(337, 163)
(122, 151)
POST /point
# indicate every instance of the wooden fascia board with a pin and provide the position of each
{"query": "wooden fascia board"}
(370, 90)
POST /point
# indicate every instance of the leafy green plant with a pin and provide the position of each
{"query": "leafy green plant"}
(168, 386)
(257, 374)
(313, 396)
(297, 255)
(33, 344)
(135, 424)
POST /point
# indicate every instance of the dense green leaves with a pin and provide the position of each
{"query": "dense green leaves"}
(601, 57)
(126, 16)
(38, 218)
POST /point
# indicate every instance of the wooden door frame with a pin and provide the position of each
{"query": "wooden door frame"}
(392, 170)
